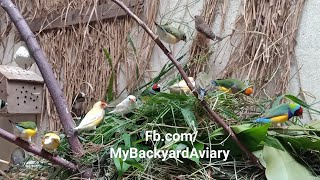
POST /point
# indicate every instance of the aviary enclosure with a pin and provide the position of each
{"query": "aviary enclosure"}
(201, 105)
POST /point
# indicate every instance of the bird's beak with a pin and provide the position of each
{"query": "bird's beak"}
(133, 100)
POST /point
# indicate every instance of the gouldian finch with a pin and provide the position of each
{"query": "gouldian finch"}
(169, 34)
(3, 104)
(281, 113)
(125, 106)
(203, 28)
(152, 90)
(93, 118)
(24, 130)
(181, 87)
(203, 84)
(50, 141)
(232, 86)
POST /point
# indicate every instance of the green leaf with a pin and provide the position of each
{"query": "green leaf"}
(240, 128)
(273, 142)
(118, 163)
(253, 137)
(297, 100)
(134, 163)
(109, 95)
(126, 139)
(280, 165)
(198, 147)
(301, 143)
(189, 117)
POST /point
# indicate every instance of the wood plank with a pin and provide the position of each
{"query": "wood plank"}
(77, 16)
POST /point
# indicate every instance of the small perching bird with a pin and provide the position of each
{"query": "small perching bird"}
(152, 90)
(170, 34)
(182, 87)
(24, 130)
(232, 86)
(203, 28)
(203, 84)
(281, 113)
(22, 58)
(50, 141)
(125, 106)
(93, 118)
(3, 104)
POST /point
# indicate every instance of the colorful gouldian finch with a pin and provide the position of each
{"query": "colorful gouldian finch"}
(24, 130)
(281, 113)
(93, 118)
(50, 141)
(181, 87)
(3, 104)
(232, 86)
(203, 28)
(169, 34)
(152, 90)
(125, 106)
(203, 84)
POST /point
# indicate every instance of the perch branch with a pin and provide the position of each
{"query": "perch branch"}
(214, 116)
(35, 150)
(42, 62)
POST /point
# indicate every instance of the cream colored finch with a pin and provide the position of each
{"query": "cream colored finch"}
(181, 87)
(50, 141)
(93, 118)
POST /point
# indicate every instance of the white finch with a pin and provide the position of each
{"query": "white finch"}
(93, 118)
(181, 87)
(125, 106)
(50, 141)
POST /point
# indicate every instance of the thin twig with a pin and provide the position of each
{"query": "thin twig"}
(205, 105)
(47, 73)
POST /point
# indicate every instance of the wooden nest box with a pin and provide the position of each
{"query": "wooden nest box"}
(21, 89)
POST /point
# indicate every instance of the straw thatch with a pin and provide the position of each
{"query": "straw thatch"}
(77, 57)
(265, 35)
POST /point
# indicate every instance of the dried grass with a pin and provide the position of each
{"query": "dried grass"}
(200, 48)
(266, 33)
(77, 58)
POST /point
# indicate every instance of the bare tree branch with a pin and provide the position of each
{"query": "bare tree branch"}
(214, 116)
(35, 150)
(47, 73)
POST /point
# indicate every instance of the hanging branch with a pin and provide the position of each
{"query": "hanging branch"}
(214, 116)
(35, 150)
(42, 62)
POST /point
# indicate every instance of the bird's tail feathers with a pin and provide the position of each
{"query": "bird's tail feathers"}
(201, 94)
(213, 82)
(262, 120)
(11, 122)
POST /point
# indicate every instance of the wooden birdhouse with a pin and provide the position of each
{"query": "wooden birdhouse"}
(21, 89)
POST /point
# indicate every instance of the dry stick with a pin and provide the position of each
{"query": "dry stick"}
(35, 150)
(213, 115)
(47, 73)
